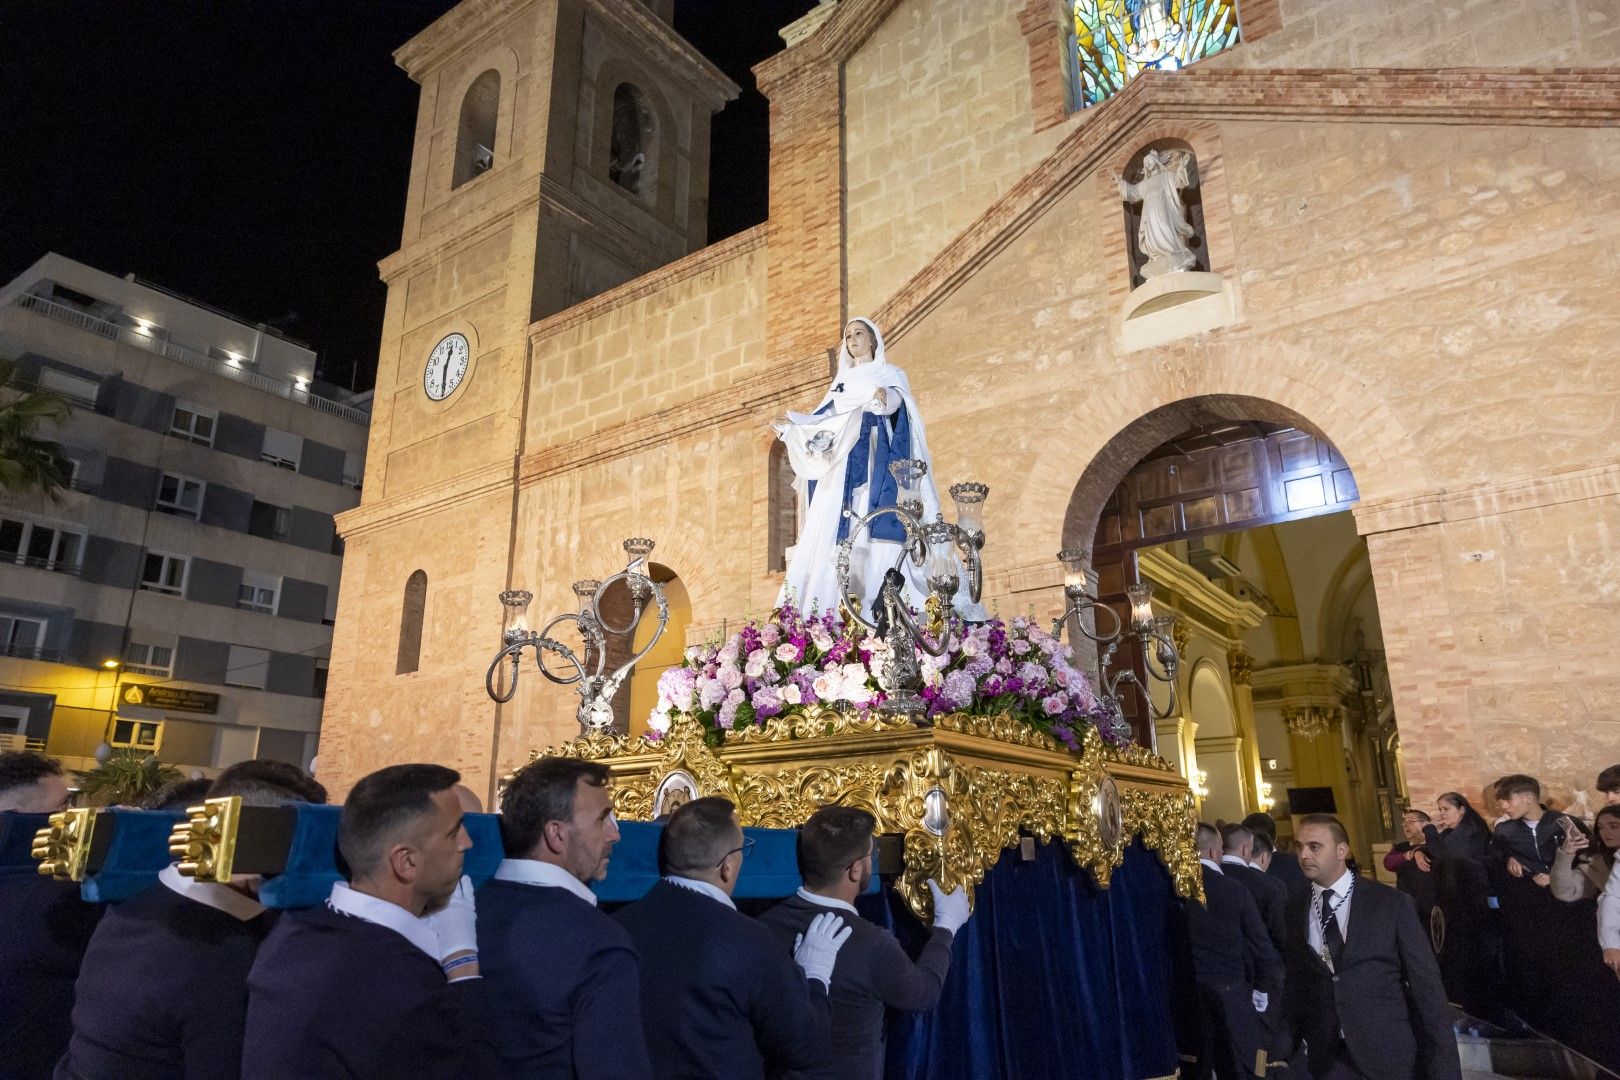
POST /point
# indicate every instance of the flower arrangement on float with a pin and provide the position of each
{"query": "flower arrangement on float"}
(791, 660)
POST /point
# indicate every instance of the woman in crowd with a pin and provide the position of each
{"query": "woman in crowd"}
(1582, 869)
(1470, 942)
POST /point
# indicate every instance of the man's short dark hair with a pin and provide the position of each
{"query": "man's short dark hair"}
(1233, 837)
(1609, 779)
(543, 792)
(1207, 836)
(383, 805)
(1328, 822)
(1415, 812)
(21, 768)
(1262, 824)
(832, 840)
(267, 783)
(1514, 783)
(698, 836)
(1262, 842)
(178, 794)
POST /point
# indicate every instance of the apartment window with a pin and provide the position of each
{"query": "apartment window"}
(72, 387)
(144, 659)
(193, 423)
(282, 449)
(258, 592)
(138, 734)
(163, 573)
(247, 667)
(354, 469)
(13, 721)
(49, 547)
(21, 636)
(180, 495)
(269, 520)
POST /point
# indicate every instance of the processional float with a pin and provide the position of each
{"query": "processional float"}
(959, 789)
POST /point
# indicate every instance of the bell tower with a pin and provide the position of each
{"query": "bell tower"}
(561, 149)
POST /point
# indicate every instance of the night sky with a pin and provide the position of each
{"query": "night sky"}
(254, 153)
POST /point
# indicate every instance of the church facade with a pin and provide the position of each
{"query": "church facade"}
(1407, 223)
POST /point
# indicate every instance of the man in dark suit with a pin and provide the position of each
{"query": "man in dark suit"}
(364, 986)
(1270, 895)
(44, 926)
(162, 994)
(562, 986)
(1283, 865)
(720, 996)
(1237, 968)
(874, 972)
(1363, 985)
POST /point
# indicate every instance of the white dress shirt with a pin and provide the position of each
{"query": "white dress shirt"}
(211, 893)
(713, 892)
(825, 901)
(535, 872)
(346, 901)
(1336, 896)
(1609, 912)
(1232, 860)
(1213, 865)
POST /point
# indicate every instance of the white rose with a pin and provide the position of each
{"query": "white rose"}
(791, 695)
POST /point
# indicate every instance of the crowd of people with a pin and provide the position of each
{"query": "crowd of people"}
(1305, 966)
(407, 971)
(1302, 964)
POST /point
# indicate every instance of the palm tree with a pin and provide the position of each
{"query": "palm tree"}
(29, 463)
(125, 778)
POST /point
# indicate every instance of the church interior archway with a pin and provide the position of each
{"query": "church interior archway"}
(1237, 511)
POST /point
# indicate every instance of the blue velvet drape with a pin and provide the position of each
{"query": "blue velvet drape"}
(1051, 977)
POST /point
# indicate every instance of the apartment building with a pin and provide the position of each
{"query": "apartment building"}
(179, 597)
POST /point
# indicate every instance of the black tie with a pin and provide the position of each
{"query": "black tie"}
(1332, 940)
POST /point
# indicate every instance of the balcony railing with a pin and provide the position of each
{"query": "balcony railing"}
(40, 562)
(190, 357)
(10, 744)
(19, 651)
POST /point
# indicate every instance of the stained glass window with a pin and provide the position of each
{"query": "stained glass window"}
(1115, 40)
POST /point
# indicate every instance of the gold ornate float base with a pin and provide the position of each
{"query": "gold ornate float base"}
(960, 791)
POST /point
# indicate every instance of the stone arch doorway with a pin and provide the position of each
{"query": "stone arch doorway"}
(638, 693)
(1236, 509)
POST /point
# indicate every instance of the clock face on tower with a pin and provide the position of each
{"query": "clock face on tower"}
(446, 366)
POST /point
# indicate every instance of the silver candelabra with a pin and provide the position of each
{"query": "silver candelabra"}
(932, 547)
(594, 685)
(1153, 633)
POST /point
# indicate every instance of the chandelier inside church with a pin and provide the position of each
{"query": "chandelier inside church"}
(1117, 40)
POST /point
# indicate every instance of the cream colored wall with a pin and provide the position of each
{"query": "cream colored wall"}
(1470, 33)
(937, 126)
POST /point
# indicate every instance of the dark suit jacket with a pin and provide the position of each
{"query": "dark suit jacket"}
(1384, 994)
(1285, 868)
(1229, 941)
(44, 930)
(561, 984)
(162, 994)
(339, 998)
(1270, 896)
(873, 972)
(721, 998)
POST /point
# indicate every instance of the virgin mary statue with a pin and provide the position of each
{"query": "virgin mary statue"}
(841, 454)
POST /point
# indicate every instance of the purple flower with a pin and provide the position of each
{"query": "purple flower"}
(958, 689)
(1032, 675)
(767, 703)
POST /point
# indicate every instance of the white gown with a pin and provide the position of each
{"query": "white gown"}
(818, 446)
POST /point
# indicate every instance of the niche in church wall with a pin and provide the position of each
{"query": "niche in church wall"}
(476, 129)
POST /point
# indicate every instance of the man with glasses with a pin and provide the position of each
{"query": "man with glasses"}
(720, 996)
(874, 972)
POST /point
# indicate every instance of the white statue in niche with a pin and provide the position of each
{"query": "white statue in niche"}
(1162, 235)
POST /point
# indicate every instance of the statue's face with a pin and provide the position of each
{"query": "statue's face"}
(1151, 163)
(858, 341)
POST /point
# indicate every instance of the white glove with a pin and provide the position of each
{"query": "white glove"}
(950, 908)
(816, 950)
(456, 924)
(1261, 1000)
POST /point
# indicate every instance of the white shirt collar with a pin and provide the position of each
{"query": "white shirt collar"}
(825, 901)
(211, 894)
(535, 872)
(347, 901)
(1232, 860)
(1213, 865)
(1257, 866)
(1339, 887)
(713, 892)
